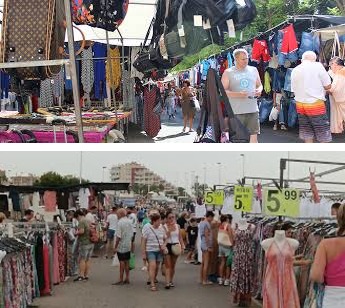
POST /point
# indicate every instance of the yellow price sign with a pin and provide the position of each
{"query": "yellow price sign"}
(218, 197)
(285, 202)
(243, 198)
(214, 197)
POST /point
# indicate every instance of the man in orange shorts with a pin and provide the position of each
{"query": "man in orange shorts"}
(309, 82)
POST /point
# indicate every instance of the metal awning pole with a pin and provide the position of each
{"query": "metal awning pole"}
(73, 69)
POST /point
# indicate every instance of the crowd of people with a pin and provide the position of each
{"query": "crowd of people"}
(209, 242)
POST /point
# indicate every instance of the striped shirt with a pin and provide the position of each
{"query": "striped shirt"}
(152, 237)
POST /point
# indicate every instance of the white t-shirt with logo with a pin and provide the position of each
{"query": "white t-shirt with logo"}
(133, 218)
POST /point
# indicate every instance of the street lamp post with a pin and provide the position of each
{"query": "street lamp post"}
(103, 173)
(219, 173)
(243, 166)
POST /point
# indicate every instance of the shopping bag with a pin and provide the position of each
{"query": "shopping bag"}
(132, 261)
(116, 261)
(274, 114)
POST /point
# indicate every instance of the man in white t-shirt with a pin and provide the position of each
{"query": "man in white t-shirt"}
(131, 214)
(309, 82)
(112, 221)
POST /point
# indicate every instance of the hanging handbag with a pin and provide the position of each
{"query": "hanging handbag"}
(246, 13)
(174, 44)
(220, 11)
(143, 61)
(37, 35)
(162, 48)
(106, 15)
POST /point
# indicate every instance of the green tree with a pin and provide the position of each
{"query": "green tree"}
(136, 188)
(144, 189)
(154, 188)
(54, 179)
(181, 191)
(161, 187)
(3, 178)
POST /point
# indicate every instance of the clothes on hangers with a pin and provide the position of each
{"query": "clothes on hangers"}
(115, 62)
(99, 51)
(152, 122)
(87, 72)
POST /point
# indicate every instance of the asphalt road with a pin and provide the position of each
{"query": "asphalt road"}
(98, 291)
(171, 132)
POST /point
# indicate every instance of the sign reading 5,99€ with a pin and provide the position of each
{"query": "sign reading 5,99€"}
(214, 197)
(243, 198)
(283, 202)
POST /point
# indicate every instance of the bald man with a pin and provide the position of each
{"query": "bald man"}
(309, 82)
(123, 243)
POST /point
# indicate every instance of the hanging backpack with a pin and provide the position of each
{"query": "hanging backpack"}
(33, 30)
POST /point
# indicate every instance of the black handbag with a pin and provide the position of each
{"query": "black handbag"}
(245, 14)
(220, 11)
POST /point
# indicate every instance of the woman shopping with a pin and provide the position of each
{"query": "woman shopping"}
(337, 92)
(225, 242)
(175, 247)
(153, 247)
(329, 265)
(188, 105)
(170, 97)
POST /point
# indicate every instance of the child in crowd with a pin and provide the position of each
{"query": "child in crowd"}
(192, 235)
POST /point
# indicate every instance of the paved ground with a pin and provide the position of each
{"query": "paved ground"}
(171, 132)
(98, 291)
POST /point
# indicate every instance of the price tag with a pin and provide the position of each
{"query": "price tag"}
(243, 198)
(209, 199)
(282, 203)
(198, 20)
(214, 197)
(218, 197)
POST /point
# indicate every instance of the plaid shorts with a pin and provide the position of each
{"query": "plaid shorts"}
(313, 121)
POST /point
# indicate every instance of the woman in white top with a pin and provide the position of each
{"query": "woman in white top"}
(175, 247)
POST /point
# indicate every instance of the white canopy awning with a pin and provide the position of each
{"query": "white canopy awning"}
(133, 29)
(328, 33)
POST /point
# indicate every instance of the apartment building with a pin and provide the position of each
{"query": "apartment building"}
(136, 173)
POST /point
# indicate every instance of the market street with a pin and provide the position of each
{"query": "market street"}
(98, 291)
(171, 132)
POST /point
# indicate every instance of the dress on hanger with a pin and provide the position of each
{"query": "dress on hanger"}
(279, 286)
(116, 68)
(242, 272)
(87, 72)
(100, 51)
(152, 122)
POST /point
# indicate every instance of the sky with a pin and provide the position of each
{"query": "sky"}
(178, 168)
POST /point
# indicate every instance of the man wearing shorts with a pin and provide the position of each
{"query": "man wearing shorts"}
(85, 245)
(309, 82)
(124, 234)
(243, 86)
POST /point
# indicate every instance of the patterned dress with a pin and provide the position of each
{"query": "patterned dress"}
(152, 122)
(279, 287)
(242, 272)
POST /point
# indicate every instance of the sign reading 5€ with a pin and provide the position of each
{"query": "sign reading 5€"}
(243, 198)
